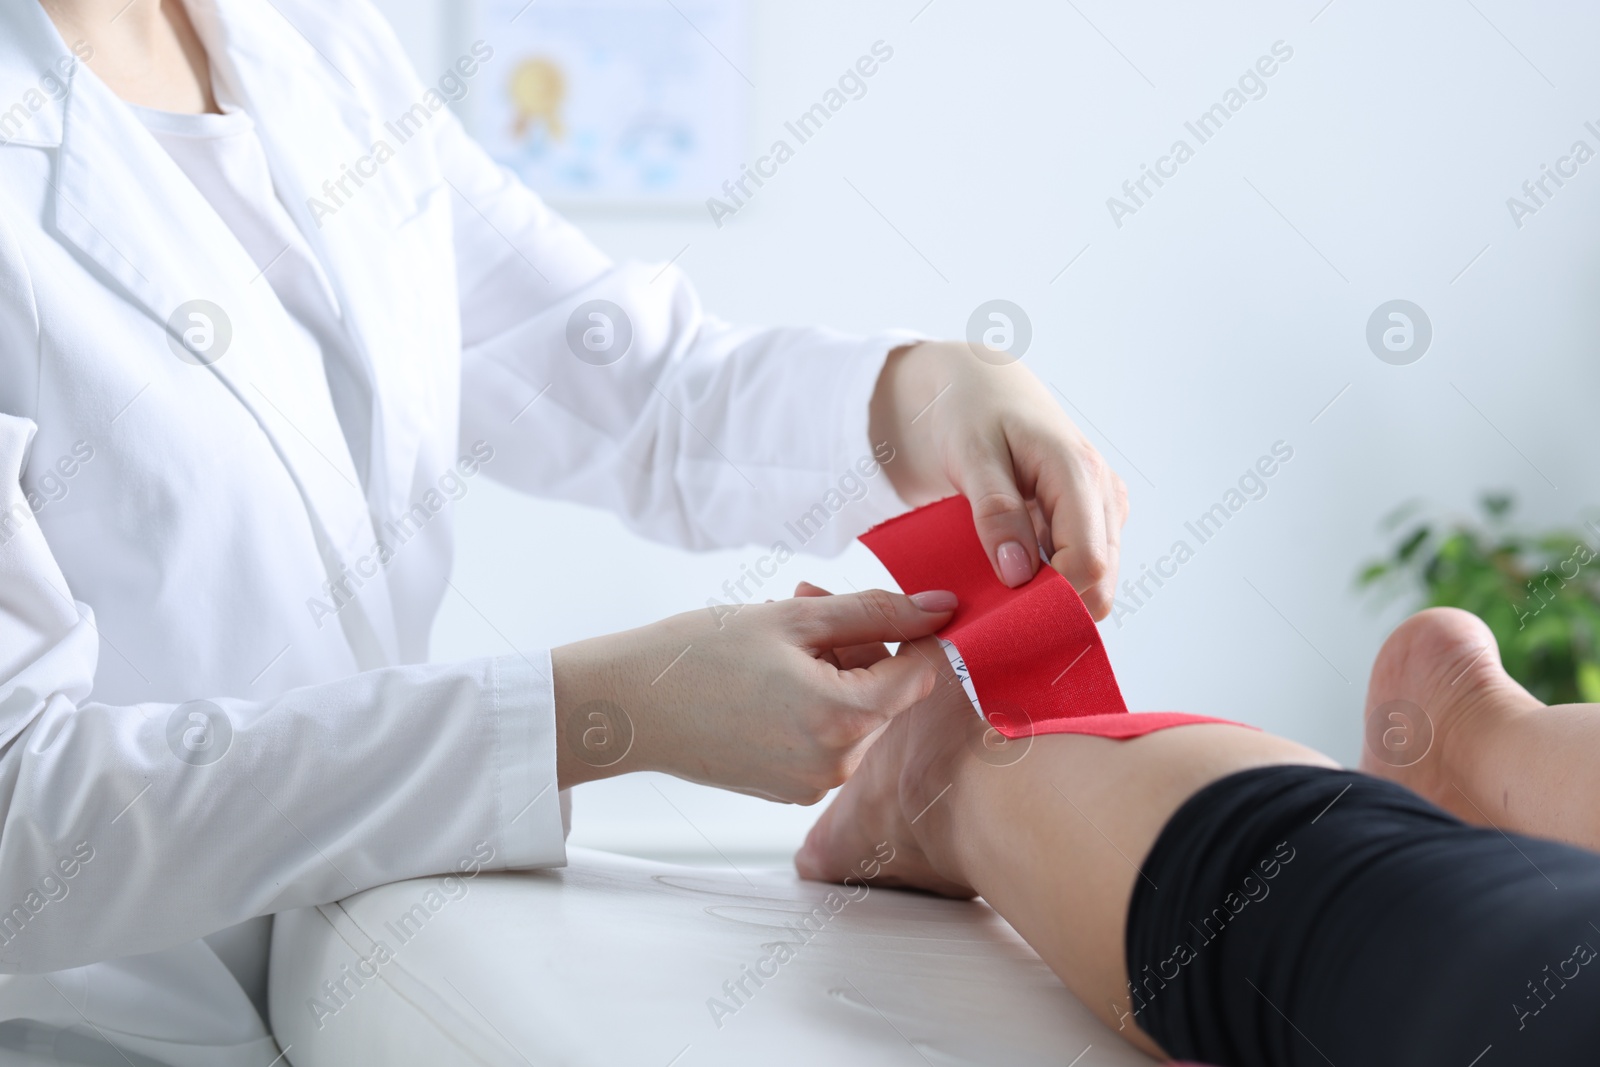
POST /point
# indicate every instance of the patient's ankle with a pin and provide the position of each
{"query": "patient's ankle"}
(940, 778)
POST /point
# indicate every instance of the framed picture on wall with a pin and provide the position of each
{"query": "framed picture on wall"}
(616, 102)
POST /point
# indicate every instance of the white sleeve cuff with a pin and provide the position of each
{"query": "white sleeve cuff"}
(523, 706)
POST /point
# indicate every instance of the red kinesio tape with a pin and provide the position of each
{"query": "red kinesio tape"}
(1033, 653)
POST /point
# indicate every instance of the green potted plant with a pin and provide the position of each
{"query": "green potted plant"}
(1539, 593)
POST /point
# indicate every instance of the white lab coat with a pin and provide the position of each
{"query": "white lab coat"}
(167, 527)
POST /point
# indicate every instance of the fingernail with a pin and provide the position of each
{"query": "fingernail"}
(935, 600)
(1014, 568)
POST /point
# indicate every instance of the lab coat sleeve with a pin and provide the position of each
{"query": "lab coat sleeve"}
(700, 433)
(127, 829)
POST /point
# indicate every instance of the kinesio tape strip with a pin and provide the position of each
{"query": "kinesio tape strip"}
(1032, 655)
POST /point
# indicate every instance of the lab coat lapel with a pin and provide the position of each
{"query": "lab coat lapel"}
(34, 65)
(150, 230)
(317, 131)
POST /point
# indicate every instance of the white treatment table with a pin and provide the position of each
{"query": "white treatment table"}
(612, 961)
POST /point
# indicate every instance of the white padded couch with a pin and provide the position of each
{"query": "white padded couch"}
(621, 961)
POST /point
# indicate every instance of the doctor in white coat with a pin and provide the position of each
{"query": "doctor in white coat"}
(252, 344)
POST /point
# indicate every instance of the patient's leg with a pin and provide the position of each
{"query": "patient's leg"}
(1051, 841)
(1497, 756)
(1234, 897)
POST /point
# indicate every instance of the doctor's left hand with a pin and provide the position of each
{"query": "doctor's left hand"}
(778, 700)
(994, 434)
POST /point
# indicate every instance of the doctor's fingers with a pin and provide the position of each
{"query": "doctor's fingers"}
(1116, 517)
(1085, 503)
(851, 656)
(867, 698)
(985, 473)
(825, 623)
(1041, 527)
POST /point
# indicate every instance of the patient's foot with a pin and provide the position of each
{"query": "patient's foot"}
(1437, 690)
(870, 832)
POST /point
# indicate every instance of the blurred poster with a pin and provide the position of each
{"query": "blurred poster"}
(617, 101)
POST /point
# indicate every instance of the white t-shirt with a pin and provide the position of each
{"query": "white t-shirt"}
(224, 158)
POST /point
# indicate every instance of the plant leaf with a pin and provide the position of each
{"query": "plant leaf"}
(1413, 541)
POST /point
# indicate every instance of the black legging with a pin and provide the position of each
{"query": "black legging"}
(1301, 916)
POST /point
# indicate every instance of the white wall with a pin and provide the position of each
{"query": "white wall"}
(1222, 317)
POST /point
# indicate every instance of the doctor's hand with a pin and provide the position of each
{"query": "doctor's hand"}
(994, 434)
(778, 700)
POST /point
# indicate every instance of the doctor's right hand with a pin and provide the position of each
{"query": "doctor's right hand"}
(756, 701)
